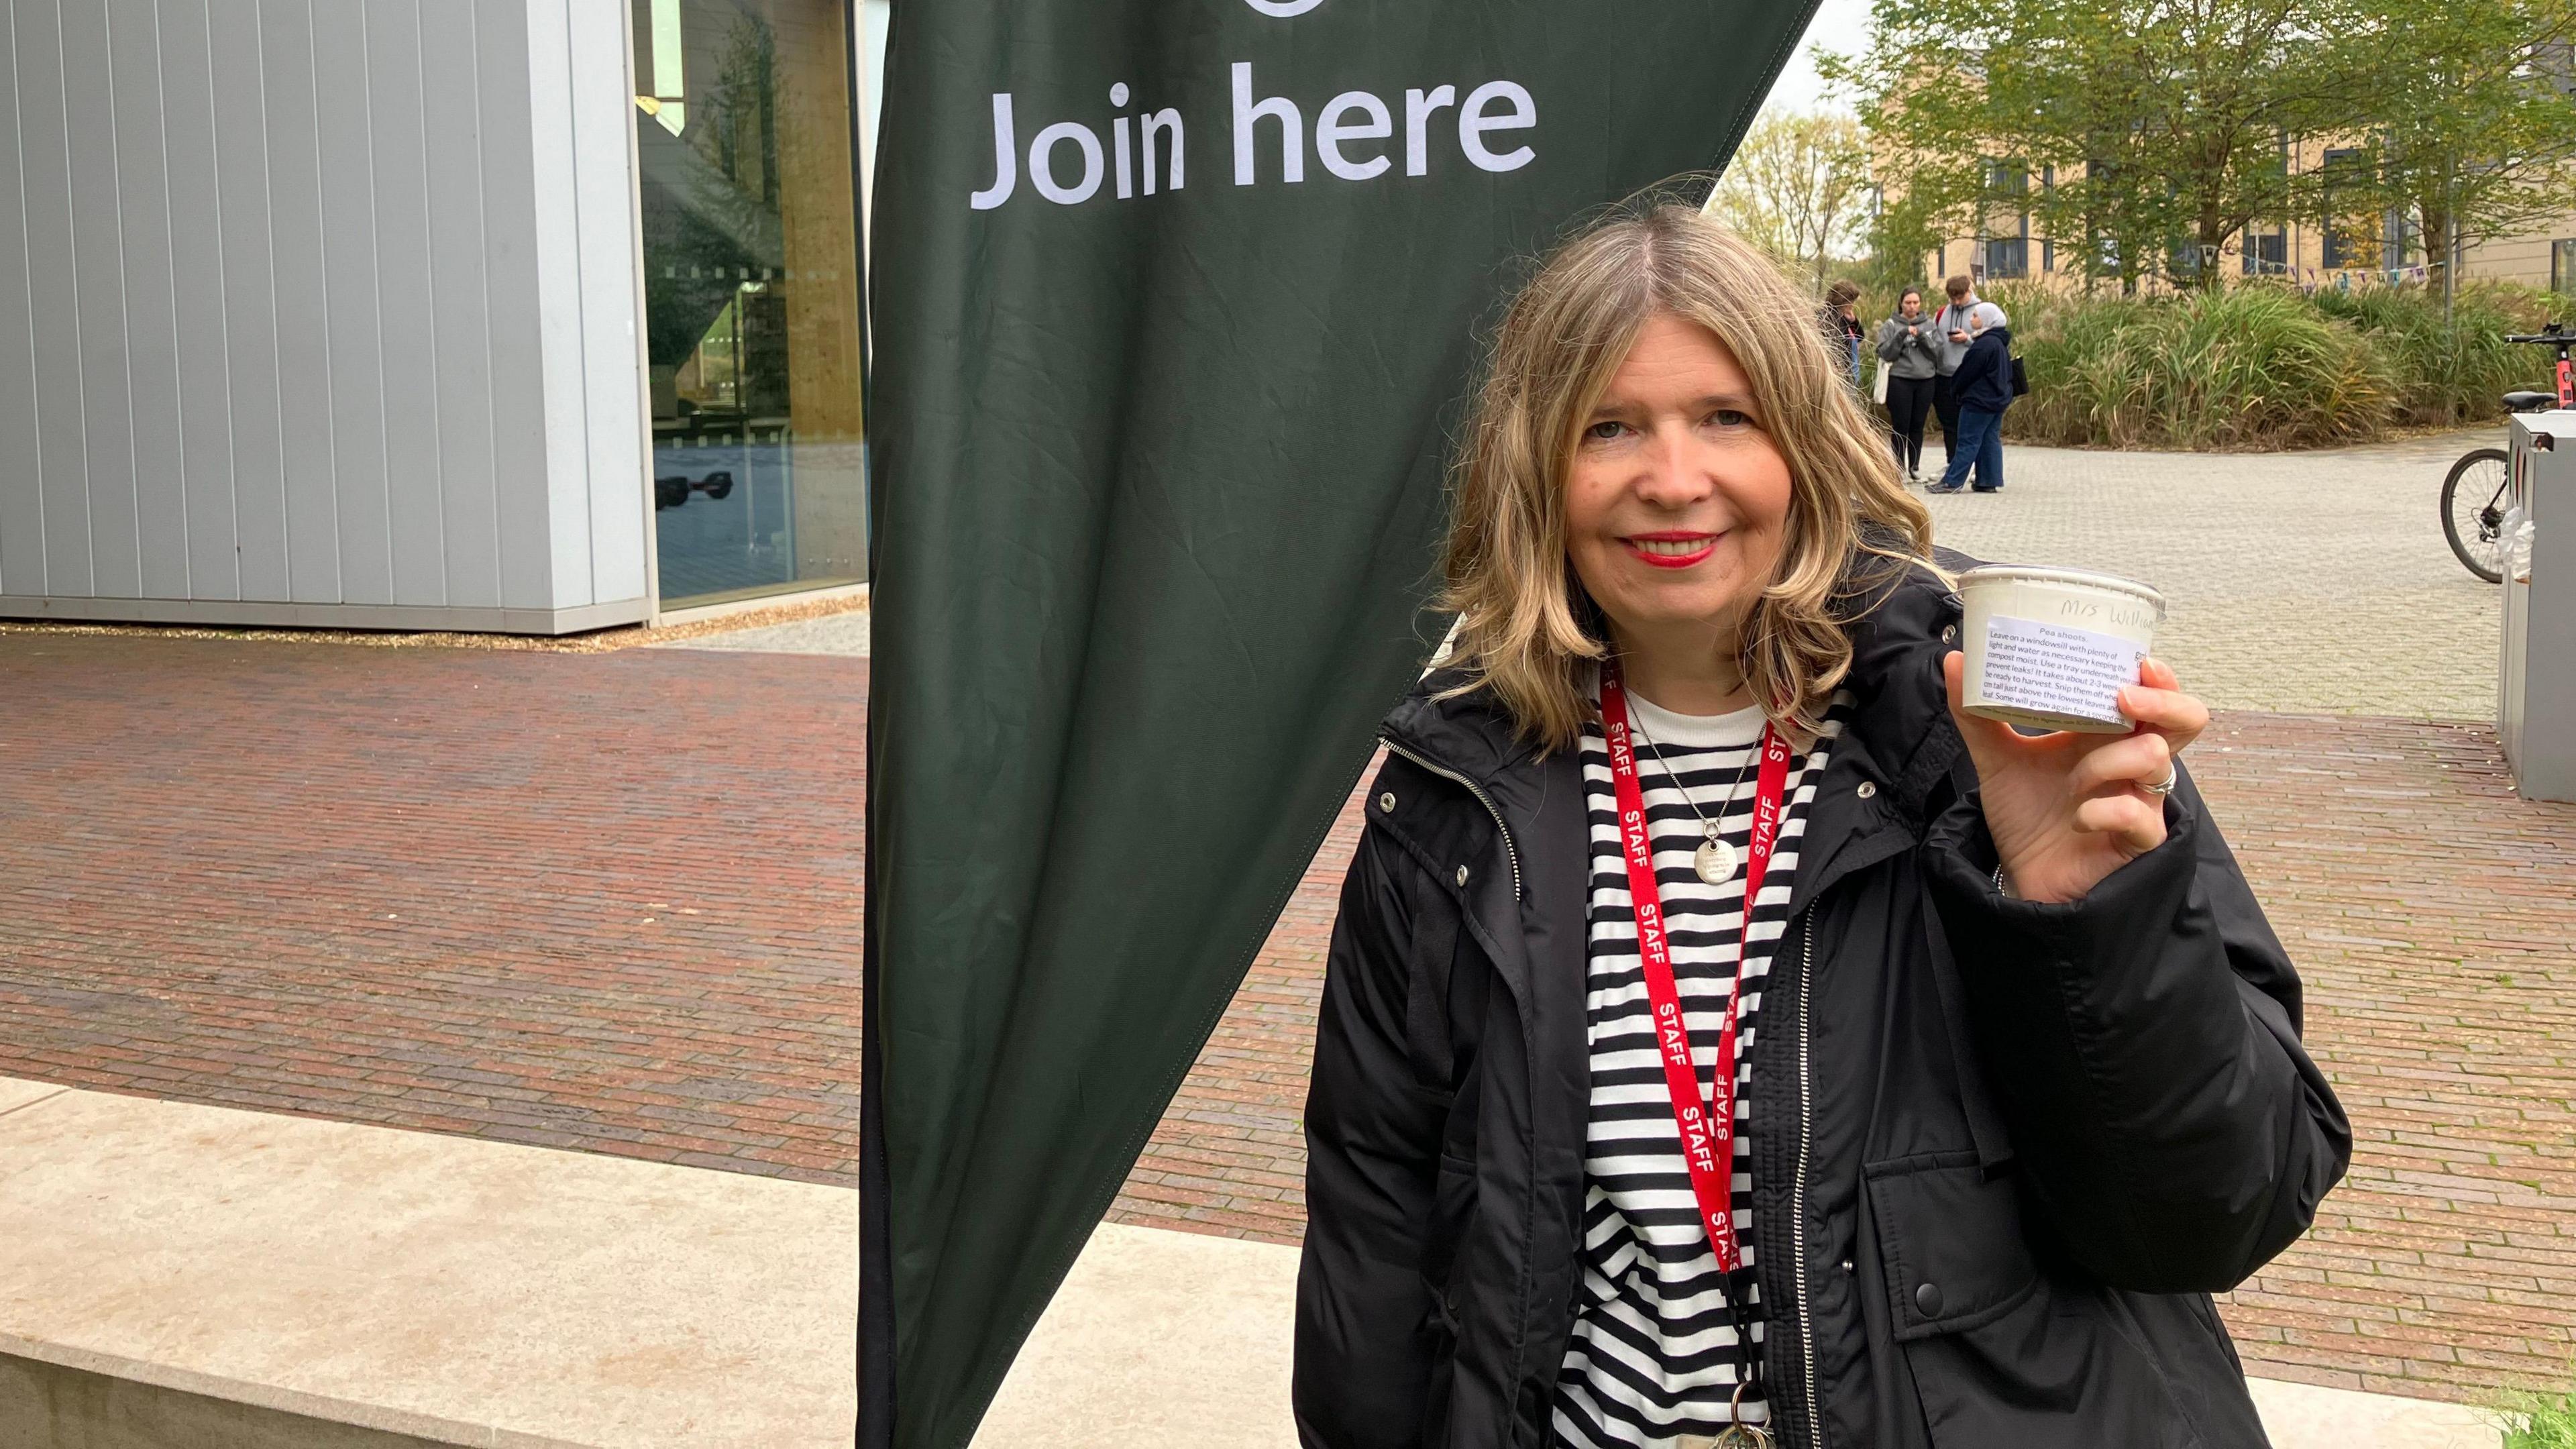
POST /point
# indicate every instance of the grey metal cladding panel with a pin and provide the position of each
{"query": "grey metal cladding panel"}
(107, 417)
(22, 502)
(197, 266)
(303, 321)
(349, 278)
(511, 327)
(603, 142)
(409, 345)
(151, 304)
(250, 301)
(61, 446)
(448, 68)
(562, 358)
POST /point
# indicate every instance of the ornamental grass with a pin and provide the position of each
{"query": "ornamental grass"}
(2259, 367)
(2539, 1421)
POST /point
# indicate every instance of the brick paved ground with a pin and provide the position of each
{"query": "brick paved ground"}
(598, 901)
(2431, 914)
(610, 901)
(2297, 581)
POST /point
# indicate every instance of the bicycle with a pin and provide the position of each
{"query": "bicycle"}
(2476, 528)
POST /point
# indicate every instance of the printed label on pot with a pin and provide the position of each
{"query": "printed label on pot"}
(2057, 669)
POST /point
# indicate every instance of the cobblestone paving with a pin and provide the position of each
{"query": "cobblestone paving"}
(2314, 582)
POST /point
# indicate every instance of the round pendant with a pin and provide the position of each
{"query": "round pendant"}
(1715, 861)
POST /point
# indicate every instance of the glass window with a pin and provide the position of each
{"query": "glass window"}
(2562, 266)
(2348, 240)
(2007, 257)
(751, 295)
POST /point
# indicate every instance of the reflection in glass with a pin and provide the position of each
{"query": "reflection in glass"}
(750, 295)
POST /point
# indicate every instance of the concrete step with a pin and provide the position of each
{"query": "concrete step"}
(184, 1277)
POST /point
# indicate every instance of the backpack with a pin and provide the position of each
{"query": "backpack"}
(2020, 379)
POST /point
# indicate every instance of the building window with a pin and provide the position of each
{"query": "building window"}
(2349, 241)
(751, 295)
(2267, 253)
(2562, 266)
(2007, 257)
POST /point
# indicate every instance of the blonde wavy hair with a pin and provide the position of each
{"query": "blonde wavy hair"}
(1526, 628)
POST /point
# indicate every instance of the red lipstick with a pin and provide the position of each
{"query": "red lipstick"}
(1670, 550)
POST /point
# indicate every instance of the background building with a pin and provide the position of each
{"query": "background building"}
(524, 315)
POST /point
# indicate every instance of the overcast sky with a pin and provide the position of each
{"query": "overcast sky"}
(1840, 25)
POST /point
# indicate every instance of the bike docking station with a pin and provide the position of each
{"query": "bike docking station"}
(2536, 675)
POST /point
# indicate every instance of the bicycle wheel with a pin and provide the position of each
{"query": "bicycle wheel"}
(2473, 511)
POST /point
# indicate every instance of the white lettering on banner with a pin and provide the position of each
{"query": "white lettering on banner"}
(1419, 107)
(1042, 163)
(2058, 669)
(1331, 133)
(1006, 158)
(1165, 140)
(1474, 121)
(1292, 131)
(1351, 136)
(1166, 122)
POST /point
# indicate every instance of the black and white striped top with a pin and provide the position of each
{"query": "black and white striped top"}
(1654, 1353)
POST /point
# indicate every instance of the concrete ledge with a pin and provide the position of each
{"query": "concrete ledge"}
(447, 1289)
(256, 613)
(224, 1279)
(46, 1406)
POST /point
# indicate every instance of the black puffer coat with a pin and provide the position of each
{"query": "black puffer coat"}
(2004, 1151)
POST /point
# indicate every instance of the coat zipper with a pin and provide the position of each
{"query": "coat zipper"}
(1510, 851)
(1798, 1195)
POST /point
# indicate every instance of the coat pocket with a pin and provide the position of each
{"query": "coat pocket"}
(1951, 1242)
(2000, 1352)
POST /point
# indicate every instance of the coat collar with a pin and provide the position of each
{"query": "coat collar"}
(1898, 740)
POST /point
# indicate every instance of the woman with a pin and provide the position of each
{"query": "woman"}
(1841, 323)
(1984, 387)
(2016, 1076)
(1910, 350)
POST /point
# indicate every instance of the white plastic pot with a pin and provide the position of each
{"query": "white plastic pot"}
(2051, 648)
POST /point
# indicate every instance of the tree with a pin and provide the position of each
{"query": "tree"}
(2159, 128)
(1797, 189)
(2469, 113)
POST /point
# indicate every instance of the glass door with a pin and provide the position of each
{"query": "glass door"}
(751, 295)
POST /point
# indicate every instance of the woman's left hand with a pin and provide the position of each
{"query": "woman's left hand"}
(2066, 809)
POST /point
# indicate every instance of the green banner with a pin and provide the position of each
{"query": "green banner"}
(1174, 307)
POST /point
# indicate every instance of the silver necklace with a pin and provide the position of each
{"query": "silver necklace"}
(1715, 860)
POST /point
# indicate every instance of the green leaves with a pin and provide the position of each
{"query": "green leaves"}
(1797, 188)
(2261, 366)
(2158, 130)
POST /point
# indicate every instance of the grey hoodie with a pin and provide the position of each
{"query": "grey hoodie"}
(1955, 315)
(1916, 356)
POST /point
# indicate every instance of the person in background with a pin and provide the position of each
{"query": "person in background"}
(1950, 328)
(1909, 347)
(1983, 385)
(1841, 320)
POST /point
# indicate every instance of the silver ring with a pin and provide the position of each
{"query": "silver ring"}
(2164, 787)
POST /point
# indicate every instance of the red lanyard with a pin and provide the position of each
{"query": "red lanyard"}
(1708, 1129)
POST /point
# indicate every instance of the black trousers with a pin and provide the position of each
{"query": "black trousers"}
(1945, 406)
(1908, 400)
